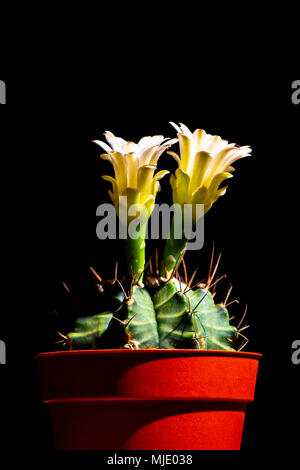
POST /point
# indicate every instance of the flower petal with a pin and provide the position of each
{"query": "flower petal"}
(119, 164)
(117, 143)
(149, 203)
(201, 196)
(114, 194)
(230, 169)
(155, 156)
(214, 144)
(199, 139)
(106, 156)
(132, 168)
(185, 130)
(202, 162)
(146, 155)
(103, 145)
(177, 128)
(175, 156)
(173, 182)
(133, 196)
(147, 142)
(155, 188)
(129, 147)
(145, 178)
(180, 193)
(185, 151)
(221, 161)
(217, 180)
(160, 174)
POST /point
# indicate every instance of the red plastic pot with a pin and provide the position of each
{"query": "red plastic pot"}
(158, 399)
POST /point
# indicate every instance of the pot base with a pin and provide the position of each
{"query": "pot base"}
(146, 424)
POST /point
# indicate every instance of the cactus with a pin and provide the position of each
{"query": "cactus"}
(191, 319)
(172, 316)
(131, 321)
(162, 311)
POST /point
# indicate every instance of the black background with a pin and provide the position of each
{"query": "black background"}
(51, 187)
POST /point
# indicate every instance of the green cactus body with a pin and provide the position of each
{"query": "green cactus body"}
(174, 317)
(212, 320)
(134, 319)
(142, 326)
(191, 320)
(88, 331)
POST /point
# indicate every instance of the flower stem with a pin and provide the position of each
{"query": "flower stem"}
(135, 254)
(174, 248)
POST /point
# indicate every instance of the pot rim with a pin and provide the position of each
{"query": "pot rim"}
(154, 352)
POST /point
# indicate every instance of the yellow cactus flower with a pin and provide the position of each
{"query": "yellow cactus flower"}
(205, 162)
(134, 166)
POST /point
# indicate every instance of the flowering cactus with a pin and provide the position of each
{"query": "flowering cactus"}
(205, 162)
(169, 312)
(134, 166)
